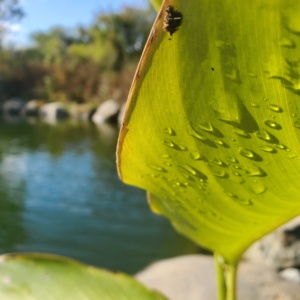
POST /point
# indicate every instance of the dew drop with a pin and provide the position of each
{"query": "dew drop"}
(242, 133)
(157, 168)
(168, 164)
(169, 143)
(166, 156)
(246, 153)
(178, 184)
(273, 124)
(236, 174)
(221, 174)
(195, 155)
(169, 131)
(256, 172)
(254, 104)
(263, 135)
(246, 202)
(206, 127)
(292, 155)
(219, 162)
(233, 160)
(288, 43)
(258, 188)
(231, 195)
(220, 142)
(190, 170)
(199, 136)
(281, 146)
(182, 148)
(275, 108)
(268, 149)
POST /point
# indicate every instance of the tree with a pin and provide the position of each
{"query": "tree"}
(10, 10)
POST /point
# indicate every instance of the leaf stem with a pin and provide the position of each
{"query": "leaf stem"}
(226, 278)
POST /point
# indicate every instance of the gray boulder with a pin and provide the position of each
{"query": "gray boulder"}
(54, 111)
(13, 106)
(192, 277)
(280, 249)
(32, 108)
(106, 112)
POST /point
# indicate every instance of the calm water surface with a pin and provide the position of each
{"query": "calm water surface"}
(60, 193)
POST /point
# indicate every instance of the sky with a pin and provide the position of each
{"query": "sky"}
(40, 15)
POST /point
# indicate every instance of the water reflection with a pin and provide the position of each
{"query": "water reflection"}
(60, 193)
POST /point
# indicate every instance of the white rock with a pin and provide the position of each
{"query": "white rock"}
(32, 108)
(106, 111)
(13, 106)
(291, 274)
(51, 112)
(279, 249)
(192, 277)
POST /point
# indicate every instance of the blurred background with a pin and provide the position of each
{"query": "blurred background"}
(65, 72)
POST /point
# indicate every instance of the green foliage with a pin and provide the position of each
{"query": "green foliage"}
(212, 126)
(83, 66)
(50, 277)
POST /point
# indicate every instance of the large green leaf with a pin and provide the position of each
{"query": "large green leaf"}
(45, 277)
(212, 127)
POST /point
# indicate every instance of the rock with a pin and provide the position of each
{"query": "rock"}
(192, 277)
(32, 108)
(12, 106)
(280, 249)
(106, 112)
(54, 111)
(291, 274)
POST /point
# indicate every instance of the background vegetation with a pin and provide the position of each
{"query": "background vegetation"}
(86, 64)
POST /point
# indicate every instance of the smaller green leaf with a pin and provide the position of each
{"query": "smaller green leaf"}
(49, 277)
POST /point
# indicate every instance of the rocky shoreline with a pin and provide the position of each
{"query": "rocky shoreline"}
(108, 111)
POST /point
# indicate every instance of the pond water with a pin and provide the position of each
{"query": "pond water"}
(60, 193)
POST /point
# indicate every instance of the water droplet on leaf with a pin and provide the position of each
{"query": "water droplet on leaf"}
(268, 149)
(195, 155)
(273, 124)
(157, 168)
(232, 160)
(288, 43)
(242, 133)
(256, 172)
(258, 188)
(169, 131)
(275, 108)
